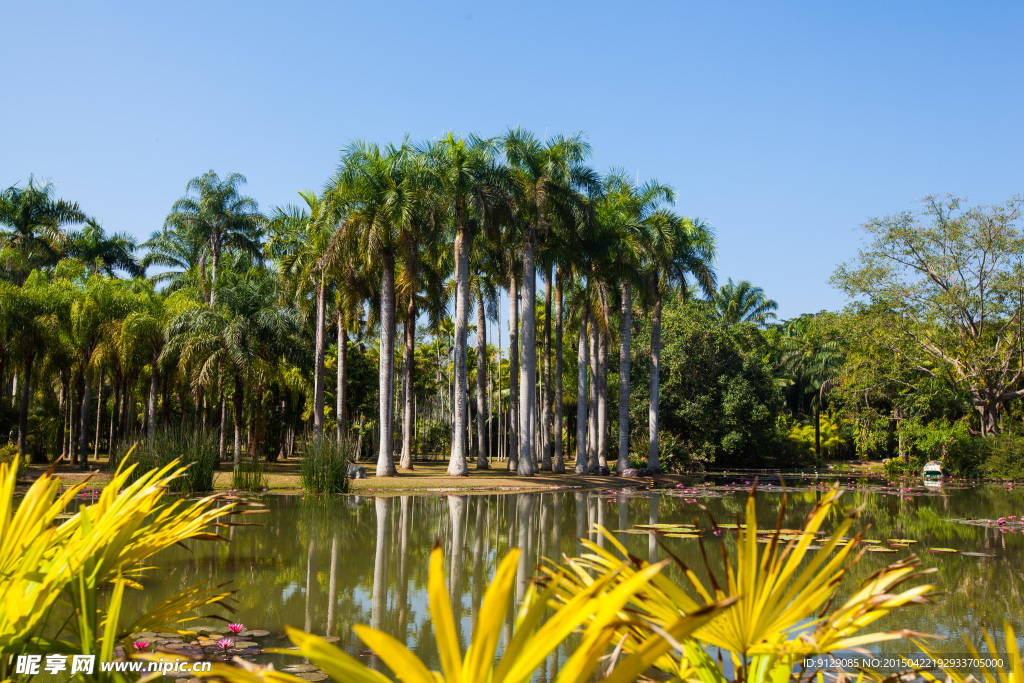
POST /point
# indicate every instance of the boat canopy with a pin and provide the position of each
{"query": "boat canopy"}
(933, 467)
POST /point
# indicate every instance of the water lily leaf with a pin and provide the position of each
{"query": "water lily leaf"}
(943, 550)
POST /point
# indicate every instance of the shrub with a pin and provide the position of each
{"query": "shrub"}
(196, 449)
(324, 467)
(249, 476)
(1005, 456)
(9, 456)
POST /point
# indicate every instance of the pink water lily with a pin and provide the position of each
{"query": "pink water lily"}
(140, 644)
(225, 643)
(235, 628)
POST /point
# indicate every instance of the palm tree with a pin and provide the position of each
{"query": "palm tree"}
(142, 334)
(213, 209)
(625, 211)
(548, 175)
(31, 223)
(812, 362)
(181, 254)
(103, 253)
(676, 249)
(300, 241)
(742, 302)
(464, 179)
(245, 336)
(379, 189)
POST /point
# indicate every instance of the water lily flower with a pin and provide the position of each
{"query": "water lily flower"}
(140, 645)
(225, 643)
(235, 628)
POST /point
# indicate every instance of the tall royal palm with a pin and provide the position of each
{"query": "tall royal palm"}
(465, 178)
(214, 210)
(548, 175)
(627, 210)
(679, 250)
(379, 188)
(31, 227)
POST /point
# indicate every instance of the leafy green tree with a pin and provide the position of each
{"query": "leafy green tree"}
(951, 283)
(718, 399)
(742, 302)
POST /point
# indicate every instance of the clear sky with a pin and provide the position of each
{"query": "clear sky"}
(783, 124)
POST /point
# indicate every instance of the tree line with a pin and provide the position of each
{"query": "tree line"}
(251, 323)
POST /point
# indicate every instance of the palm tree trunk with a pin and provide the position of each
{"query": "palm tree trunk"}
(581, 396)
(83, 432)
(528, 369)
(625, 334)
(154, 383)
(592, 413)
(99, 415)
(239, 405)
(385, 462)
(602, 398)
(513, 373)
(545, 415)
(318, 360)
(457, 465)
(342, 384)
(214, 260)
(558, 464)
(653, 462)
(26, 398)
(111, 446)
(408, 358)
(482, 442)
(221, 443)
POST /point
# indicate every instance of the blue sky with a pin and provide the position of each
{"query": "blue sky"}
(785, 125)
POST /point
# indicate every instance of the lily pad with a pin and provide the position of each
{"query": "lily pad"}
(902, 541)
(313, 676)
(880, 549)
(971, 554)
(331, 639)
(943, 550)
(300, 668)
(682, 535)
(254, 633)
(246, 643)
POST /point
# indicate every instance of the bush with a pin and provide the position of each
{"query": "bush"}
(9, 455)
(197, 449)
(324, 467)
(249, 476)
(1005, 456)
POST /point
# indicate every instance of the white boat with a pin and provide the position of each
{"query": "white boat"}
(932, 468)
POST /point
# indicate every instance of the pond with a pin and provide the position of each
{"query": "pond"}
(325, 564)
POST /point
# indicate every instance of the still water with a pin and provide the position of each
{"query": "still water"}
(325, 564)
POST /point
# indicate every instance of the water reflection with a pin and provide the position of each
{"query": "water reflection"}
(329, 563)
